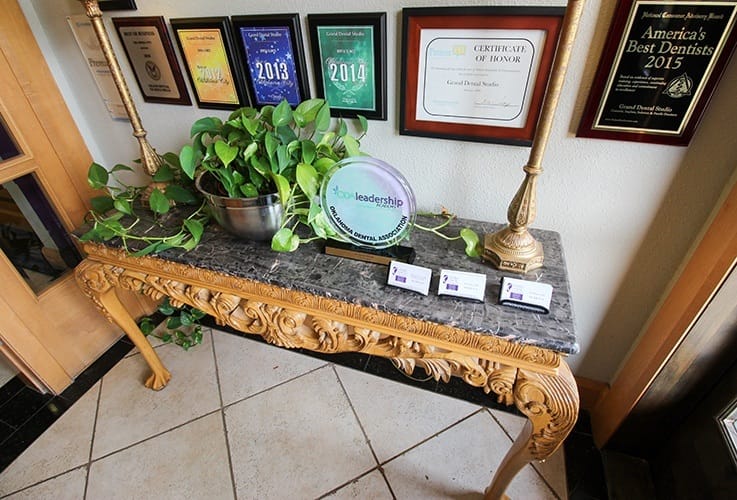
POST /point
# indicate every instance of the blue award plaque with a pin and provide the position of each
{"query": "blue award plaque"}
(368, 202)
(271, 64)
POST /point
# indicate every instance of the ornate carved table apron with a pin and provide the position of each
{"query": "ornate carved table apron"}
(328, 304)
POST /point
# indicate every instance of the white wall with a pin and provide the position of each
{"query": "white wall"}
(627, 212)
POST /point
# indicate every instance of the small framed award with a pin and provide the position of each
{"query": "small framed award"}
(476, 73)
(660, 66)
(117, 5)
(272, 56)
(151, 55)
(206, 48)
(349, 59)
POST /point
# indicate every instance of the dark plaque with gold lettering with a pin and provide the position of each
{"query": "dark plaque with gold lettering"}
(659, 69)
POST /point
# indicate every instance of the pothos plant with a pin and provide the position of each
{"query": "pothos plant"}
(275, 149)
(182, 325)
(116, 213)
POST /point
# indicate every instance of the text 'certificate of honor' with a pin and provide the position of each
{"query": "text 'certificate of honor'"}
(479, 77)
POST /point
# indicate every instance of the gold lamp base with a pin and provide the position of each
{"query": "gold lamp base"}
(514, 251)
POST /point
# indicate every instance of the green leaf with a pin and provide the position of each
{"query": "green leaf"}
(174, 322)
(101, 204)
(166, 337)
(250, 150)
(342, 127)
(166, 308)
(472, 242)
(249, 190)
(163, 174)
(271, 143)
(324, 164)
(308, 109)
(282, 156)
(282, 114)
(208, 124)
(251, 124)
(282, 187)
(123, 205)
(197, 314)
(351, 146)
(195, 227)
(158, 202)
(309, 151)
(364, 123)
(97, 176)
(307, 180)
(186, 318)
(119, 167)
(225, 152)
(146, 325)
(322, 120)
(284, 240)
(187, 159)
(171, 159)
(151, 248)
(179, 194)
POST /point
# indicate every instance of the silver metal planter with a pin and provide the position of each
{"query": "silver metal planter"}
(256, 218)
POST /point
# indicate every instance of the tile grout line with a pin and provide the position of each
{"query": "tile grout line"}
(225, 407)
(544, 479)
(365, 436)
(420, 443)
(85, 465)
(92, 440)
(222, 415)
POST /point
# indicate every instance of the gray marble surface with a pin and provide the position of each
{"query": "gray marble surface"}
(309, 270)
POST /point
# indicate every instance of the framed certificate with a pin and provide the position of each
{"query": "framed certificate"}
(272, 55)
(117, 5)
(151, 55)
(206, 48)
(476, 73)
(349, 59)
(658, 70)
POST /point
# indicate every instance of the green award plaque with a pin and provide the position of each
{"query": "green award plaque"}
(347, 56)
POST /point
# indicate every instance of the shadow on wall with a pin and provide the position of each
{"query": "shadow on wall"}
(705, 172)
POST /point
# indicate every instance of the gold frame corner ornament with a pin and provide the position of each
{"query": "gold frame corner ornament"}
(513, 248)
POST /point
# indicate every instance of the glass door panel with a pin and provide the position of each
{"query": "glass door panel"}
(32, 236)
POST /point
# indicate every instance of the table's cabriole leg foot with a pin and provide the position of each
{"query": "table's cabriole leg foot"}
(94, 282)
(551, 405)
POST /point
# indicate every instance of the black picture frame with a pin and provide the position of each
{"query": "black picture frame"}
(148, 74)
(635, 95)
(275, 77)
(117, 5)
(452, 109)
(218, 86)
(347, 67)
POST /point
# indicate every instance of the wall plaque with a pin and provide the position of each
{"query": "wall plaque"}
(369, 202)
(659, 69)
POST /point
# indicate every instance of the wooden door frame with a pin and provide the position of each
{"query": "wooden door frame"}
(709, 265)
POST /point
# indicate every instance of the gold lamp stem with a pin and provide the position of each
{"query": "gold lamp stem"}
(149, 159)
(514, 248)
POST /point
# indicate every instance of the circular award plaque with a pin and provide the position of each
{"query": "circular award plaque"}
(368, 202)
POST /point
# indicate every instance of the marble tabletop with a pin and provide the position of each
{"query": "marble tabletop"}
(308, 269)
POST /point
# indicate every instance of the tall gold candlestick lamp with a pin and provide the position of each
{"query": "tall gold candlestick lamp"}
(514, 248)
(149, 159)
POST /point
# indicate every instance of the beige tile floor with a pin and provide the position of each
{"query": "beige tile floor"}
(241, 419)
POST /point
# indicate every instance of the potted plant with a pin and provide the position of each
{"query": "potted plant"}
(125, 207)
(261, 170)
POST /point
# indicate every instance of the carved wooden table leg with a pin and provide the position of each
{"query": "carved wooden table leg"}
(94, 282)
(551, 405)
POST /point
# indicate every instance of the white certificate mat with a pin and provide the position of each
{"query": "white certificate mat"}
(478, 77)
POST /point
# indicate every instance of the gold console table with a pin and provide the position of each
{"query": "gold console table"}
(328, 304)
